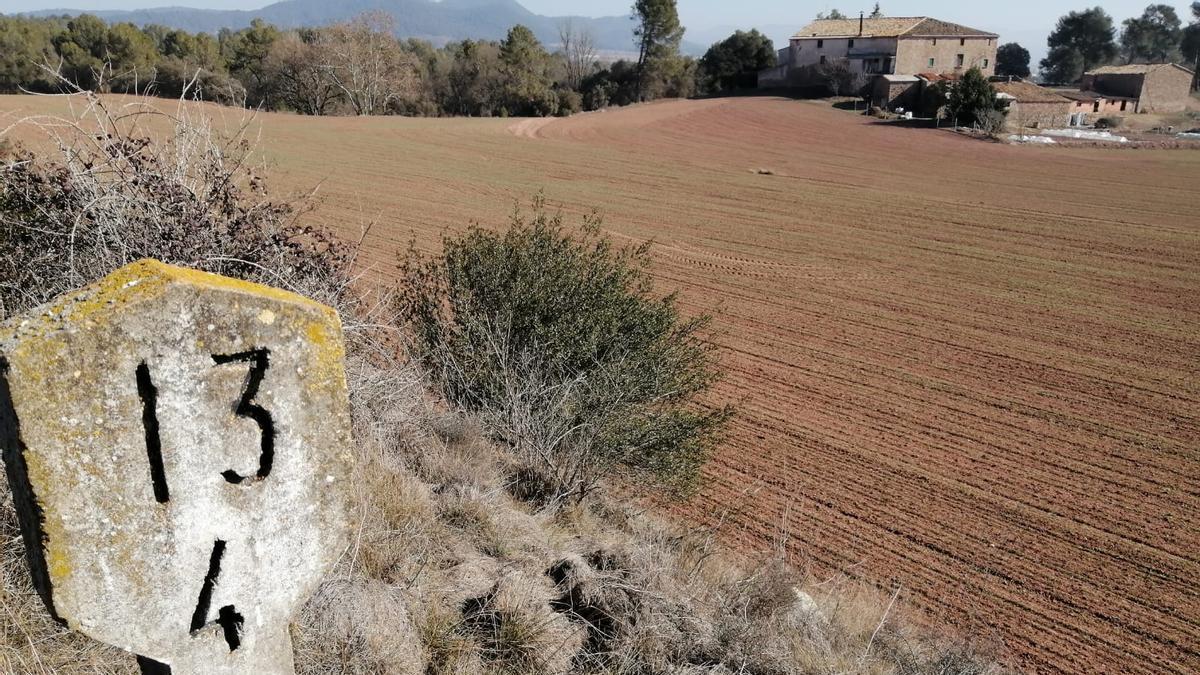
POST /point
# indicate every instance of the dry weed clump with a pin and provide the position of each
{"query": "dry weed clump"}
(114, 190)
(596, 587)
(449, 571)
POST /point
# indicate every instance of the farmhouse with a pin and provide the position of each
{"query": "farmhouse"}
(891, 46)
(1151, 87)
(1032, 106)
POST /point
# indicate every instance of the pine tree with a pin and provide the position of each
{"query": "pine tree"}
(658, 33)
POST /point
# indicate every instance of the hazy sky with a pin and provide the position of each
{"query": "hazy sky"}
(1025, 21)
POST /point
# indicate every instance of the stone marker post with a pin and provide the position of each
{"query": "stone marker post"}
(178, 445)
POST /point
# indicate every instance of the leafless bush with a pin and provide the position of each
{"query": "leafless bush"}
(116, 190)
(841, 79)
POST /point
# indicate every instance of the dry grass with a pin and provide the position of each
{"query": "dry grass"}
(597, 588)
(493, 584)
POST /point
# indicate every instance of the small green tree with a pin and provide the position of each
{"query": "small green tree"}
(81, 50)
(246, 53)
(557, 339)
(130, 56)
(972, 100)
(527, 88)
(1012, 60)
(734, 62)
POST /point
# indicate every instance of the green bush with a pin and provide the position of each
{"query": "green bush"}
(972, 99)
(569, 102)
(556, 338)
(1110, 122)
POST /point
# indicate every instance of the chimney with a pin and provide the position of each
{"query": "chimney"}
(861, 19)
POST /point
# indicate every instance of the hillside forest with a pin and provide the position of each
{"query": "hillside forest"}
(360, 67)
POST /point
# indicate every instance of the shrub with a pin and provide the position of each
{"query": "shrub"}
(991, 121)
(931, 101)
(972, 99)
(599, 96)
(112, 195)
(614, 85)
(569, 102)
(1110, 122)
(556, 338)
(175, 79)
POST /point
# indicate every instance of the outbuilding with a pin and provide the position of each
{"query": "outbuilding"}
(1032, 106)
(1088, 106)
(1152, 87)
(895, 91)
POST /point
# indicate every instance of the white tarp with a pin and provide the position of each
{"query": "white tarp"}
(1086, 135)
(1044, 140)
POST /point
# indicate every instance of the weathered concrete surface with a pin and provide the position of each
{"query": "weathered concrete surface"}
(126, 409)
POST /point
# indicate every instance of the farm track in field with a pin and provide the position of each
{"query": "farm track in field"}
(969, 369)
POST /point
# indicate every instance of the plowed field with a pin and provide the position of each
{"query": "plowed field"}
(966, 368)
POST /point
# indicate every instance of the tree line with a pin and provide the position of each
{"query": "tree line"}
(1088, 39)
(360, 67)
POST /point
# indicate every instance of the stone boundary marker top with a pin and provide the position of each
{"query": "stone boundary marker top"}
(178, 445)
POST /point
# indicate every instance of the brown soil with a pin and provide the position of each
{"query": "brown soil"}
(972, 369)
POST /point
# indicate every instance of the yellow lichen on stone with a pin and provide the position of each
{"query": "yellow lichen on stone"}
(329, 352)
(219, 283)
(140, 280)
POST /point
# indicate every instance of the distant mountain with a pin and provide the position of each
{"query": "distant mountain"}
(438, 22)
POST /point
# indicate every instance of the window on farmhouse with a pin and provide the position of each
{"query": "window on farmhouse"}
(851, 45)
(820, 44)
(934, 42)
(932, 62)
(986, 62)
(962, 42)
(960, 61)
(822, 59)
